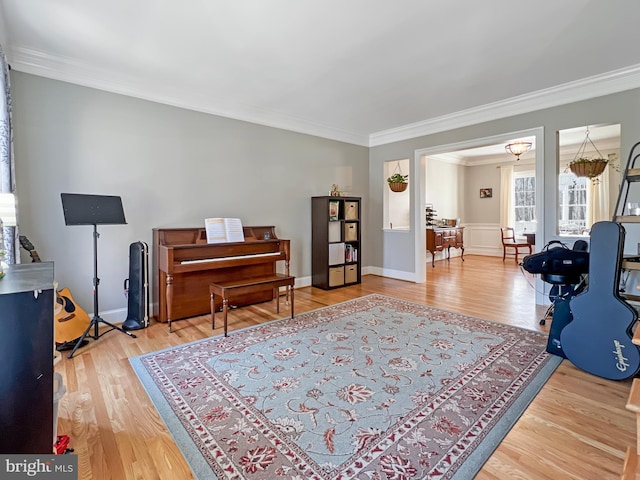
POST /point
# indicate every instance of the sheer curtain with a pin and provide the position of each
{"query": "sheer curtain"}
(506, 197)
(598, 200)
(9, 234)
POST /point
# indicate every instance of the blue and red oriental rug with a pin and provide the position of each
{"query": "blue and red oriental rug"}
(373, 388)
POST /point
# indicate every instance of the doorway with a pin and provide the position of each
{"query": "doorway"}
(420, 196)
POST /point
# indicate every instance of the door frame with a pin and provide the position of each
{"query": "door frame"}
(419, 195)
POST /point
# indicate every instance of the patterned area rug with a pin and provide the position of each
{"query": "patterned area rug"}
(373, 388)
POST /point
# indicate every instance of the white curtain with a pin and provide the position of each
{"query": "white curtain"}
(9, 234)
(506, 196)
(598, 200)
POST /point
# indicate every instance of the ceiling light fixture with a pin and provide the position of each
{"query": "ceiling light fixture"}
(518, 148)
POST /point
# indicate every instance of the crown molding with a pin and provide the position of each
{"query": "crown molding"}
(64, 69)
(42, 64)
(502, 159)
(449, 157)
(596, 86)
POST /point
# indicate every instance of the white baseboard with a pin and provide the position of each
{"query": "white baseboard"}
(387, 272)
(302, 282)
(116, 316)
(486, 251)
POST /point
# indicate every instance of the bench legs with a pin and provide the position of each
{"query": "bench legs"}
(225, 306)
(290, 295)
(288, 298)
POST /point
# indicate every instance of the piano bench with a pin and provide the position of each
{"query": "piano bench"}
(245, 286)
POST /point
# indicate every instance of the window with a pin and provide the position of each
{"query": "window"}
(572, 204)
(524, 201)
(581, 202)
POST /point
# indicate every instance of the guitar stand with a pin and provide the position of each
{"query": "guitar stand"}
(64, 346)
(96, 320)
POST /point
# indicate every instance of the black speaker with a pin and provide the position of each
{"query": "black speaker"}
(137, 287)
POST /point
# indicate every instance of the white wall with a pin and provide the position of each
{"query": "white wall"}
(445, 188)
(172, 167)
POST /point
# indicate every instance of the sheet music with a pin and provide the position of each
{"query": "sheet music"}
(234, 230)
(221, 230)
(216, 232)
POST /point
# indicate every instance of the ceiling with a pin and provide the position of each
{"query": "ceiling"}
(361, 71)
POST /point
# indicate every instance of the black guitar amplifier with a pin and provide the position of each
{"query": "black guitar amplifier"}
(136, 287)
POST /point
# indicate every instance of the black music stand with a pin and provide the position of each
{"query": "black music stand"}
(93, 210)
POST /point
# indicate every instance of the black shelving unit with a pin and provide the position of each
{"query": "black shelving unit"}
(336, 241)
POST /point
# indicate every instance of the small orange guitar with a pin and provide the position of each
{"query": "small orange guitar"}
(70, 320)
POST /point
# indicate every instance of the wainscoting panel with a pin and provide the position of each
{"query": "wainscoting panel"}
(482, 239)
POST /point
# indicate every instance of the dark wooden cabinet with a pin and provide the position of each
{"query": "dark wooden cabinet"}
(335, 241)
(439, 239)
(26, 359)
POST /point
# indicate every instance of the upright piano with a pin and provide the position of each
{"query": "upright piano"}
(185, 265)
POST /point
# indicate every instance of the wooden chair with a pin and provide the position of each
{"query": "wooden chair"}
(509, 244)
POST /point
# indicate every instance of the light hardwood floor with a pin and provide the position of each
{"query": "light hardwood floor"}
(576, 428)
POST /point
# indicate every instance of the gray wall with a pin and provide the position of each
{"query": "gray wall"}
(172, 167)
(398, 253)
(485, 210)
(482, 210)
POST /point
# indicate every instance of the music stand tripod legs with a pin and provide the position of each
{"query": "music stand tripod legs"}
(96, 320)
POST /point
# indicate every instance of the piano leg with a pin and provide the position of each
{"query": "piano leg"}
(213, 312)
(286, 267)
(276, 293)
(169, 297)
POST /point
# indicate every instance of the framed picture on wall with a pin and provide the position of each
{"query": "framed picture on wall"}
(486, 192)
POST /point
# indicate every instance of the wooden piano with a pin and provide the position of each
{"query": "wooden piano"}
(186, 265)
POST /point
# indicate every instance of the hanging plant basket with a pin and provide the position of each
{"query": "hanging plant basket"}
(589, 168)
(584, 165)
(398, 186)
(397, 181)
